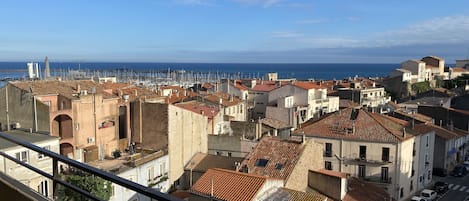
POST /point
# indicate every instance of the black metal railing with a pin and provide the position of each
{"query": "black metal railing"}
(151, 193)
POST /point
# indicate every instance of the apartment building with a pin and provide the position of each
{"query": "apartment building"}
(364, 93)
(375, 148)
(233, 108)
(29, 178)
(81, 113)
(298, 102)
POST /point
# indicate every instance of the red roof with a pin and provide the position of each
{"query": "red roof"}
(281, 156)
(309, 85)
(265, 87)
(229, 185)
(200, 108)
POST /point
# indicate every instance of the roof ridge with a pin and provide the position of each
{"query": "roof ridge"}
(382, 125)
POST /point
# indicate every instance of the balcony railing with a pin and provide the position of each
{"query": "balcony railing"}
(366, 160)
(57, 180)
(377, 179)
(327, 154)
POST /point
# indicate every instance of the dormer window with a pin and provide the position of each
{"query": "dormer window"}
(261, 162)
(278, 166)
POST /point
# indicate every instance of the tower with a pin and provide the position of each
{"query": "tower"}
(46, 69)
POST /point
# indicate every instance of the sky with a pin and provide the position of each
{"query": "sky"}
(234, 31)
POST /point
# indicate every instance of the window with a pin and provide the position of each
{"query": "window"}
(23, 156)
(328, 152)
(278, 166)
(413, 170)
(362, 152)
(218, 153)
(429, 175)
(385, 154)
(151, 171)
(162, 168)
(428, 138)
(402, 192)
(261, 162)
(361, 170)
(41, 156)
(413, 150)
(328, 165)
(43, 188)
(411, 185)
(384, 174)
(229, 154)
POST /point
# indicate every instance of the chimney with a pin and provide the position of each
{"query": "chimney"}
(202, 112)
(78, 88)
(136, 93)
(403, 132)
(119, 92)
(185, 92)
(353, 128)
(231, 98)
(303, 140)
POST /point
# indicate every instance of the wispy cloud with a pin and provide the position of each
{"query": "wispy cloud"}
(196, 2)
(311, 21)
(264, 3)
(285, 34)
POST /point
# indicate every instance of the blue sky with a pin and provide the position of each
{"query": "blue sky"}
(240, 31)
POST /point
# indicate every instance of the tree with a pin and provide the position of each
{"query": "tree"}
(97, 186)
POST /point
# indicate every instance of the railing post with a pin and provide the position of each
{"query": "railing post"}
(55, 174)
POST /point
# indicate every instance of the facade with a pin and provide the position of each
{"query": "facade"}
(33, 70)
(298, 102)
(375, 148)
(288, 160)
(147, 168)
(406, 75)
(417, 68)
(463, 63)
(29, 178)
(81, 113)
(258, 97)
(366, 96)
(215, 120)
(232, 108)
(230, 185)
(234, 88)
(159, 126)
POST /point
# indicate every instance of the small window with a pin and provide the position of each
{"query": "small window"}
(278, 166)
(23, 156)
(261, 162)
(41, 156)
(328, 165)
(218, 153)
(229, 154)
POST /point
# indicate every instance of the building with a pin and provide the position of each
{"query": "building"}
(29, 178)
(375, 148)
(81, 113)
(288, 160)
(239, 139)
(365, 93)
(33, 70)
(215, 120)
(298, 102)
(147, 168)
(201, 163)
(403, 74)
(230, 185)
(463, 63)
(436, 65)
(258, 97)
(418, 70)
(234, 88)
(159, 126)
(233, 108)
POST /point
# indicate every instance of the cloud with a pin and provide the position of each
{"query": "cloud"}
(285, 34)
(196, 2)
(312, 21)
(264, 3)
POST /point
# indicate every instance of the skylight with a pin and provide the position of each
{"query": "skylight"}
(261, 162)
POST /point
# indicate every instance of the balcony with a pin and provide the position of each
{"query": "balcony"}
(18, 191)
(327, 154)
(377, 179)
(370, 160)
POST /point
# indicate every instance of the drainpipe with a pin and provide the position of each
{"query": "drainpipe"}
(35, 113)
(6, 109)
(397, 170)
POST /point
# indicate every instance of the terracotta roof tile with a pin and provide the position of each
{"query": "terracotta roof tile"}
(281, 156)
(229, 185)
(357, 124)
(309, 85)
(285, 194)
(201, 108)
(201, 162)
(265, 87)
(227, 100)
(439, 131)
(331, 173)
(67, 89)
(275, 123)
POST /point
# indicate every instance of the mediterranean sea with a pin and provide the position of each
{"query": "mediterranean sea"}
(323, 71)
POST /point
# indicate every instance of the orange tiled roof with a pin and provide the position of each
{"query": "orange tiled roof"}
(282, 156)
(67, 89)
(368, 127)
(286, 194)
(459, 69)
(309, 85)
(226, 100)
(229, 185)
(200, 108)
(439, 131)
(239, 85)
(265, 87)
(331, 173)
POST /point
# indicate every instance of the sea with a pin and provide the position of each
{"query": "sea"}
(300, 71)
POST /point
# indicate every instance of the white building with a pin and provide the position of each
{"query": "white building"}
(151, 170)
(298, 102)
(417, 68)
(376, 148)
(29, 178)
(33, 70)
(399, 72)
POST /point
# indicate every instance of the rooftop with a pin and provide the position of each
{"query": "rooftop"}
(227, 100)
(198, 107)
(273, 123)
(359, 190)
(229, 185)
(439, 131)
(273, 157)
(68, 89)
(201, 162)
(285, 194)
(358, 124)
(25, 136)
